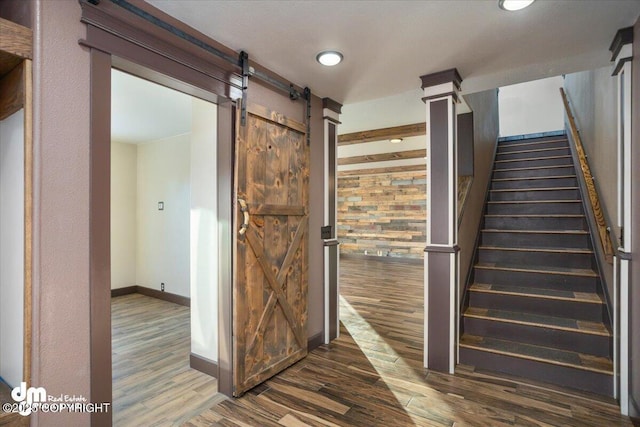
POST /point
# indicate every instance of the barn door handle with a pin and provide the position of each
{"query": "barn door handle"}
(245, 213)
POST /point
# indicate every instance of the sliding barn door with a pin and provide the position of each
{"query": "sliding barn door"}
(270, 284)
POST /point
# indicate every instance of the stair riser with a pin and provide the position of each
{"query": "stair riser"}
(551, 208)
(532, 163)
(525, 154)
(534, 183)
(529, 173)
(536, 280)
(520, 195)
(596, 345)
(535, 240)
(535, 146)
(535, 305)
(535, 223)
(547, 259)
(592, 382)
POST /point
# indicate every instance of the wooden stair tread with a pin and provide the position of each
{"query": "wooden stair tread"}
(529, 178)
(498, 202)
(551, 294)
(538, 321)
(535, 150)
(566, 232)
(566, 156)
(514, 143)
(580, 272)
(545, 250)
(552, 356)
(523, 190)
(530, 168)
(535, 216)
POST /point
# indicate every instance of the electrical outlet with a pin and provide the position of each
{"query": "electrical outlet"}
(162, 287)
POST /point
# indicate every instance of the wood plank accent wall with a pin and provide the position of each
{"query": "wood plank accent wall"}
(382, 213)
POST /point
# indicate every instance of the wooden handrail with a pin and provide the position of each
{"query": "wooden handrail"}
(603, 233)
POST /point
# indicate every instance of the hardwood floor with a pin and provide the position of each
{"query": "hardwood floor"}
(372, 375)
(153, 384)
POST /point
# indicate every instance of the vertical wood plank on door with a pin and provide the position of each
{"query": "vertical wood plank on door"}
(294, 198)
(275, 230)
(239, 294)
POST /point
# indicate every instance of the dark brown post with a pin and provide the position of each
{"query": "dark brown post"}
(622, 58)
(441, 263)
(331, 113)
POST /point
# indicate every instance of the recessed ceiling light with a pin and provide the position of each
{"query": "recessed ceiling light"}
(513, 5)
(329, 58)
(395, 140)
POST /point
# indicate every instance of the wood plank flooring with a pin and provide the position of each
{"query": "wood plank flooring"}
(372, 375)
(153, 384)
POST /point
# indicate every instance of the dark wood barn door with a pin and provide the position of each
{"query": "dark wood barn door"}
(270, 284)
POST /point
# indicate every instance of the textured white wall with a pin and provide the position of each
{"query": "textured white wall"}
(163, 235)
(204, 231)
(12, 247)
(531, 107)
(593, 96)
(123, 214)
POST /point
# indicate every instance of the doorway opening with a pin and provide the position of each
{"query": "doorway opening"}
(16, 208)
(381, 212)
(12, 227)
(164, 252)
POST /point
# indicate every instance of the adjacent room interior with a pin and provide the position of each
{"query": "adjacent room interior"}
(382, 210)
(163, 251)
(11, 253)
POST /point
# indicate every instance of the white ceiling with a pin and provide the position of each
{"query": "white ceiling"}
(142, 111)
(387, 45)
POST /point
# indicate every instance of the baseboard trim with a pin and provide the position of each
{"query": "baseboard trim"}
(204, 365)
(634, 409)
(154, 293)
(166, 296)
(416, 261)
(123, 291)
(315, 341)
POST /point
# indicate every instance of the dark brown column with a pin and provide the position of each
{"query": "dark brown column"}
(441, 265)
(331, 114)
(622, 56)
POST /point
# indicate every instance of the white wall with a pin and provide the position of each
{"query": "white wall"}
(593, 95)
(12, 247)
(531, 107)
(124, 158)
(204, 229)
(163, 235)
(402, 109)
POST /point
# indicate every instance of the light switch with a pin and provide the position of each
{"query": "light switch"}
(160, 206)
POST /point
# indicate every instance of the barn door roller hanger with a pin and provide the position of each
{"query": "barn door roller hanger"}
(242, 61)
(294, 94)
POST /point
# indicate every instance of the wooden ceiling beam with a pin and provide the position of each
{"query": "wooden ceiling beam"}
(404, 131)
(16, 39)
(383, 157)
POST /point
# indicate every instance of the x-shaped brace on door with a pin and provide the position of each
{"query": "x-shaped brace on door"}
(276, 282)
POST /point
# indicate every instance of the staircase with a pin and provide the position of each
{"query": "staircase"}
(535, 307)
